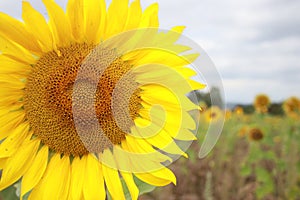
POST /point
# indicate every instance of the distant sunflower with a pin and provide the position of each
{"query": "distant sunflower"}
(39, 63)
(255, 134)
(243, 131)
(291, 106)
(213, 114)
(238, 110)
(228, 114)
(261, 103)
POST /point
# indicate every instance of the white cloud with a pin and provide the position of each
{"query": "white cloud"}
(254, 44)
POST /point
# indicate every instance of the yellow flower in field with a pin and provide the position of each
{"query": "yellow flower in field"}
(291, 106)
(255, 134)
(243, 131)
(261, 103)
(228, 114)
(213, 114)
(202, 106)
(239, 110)
(50, 140)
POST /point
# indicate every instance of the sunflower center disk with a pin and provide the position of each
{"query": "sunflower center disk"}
(49, 101)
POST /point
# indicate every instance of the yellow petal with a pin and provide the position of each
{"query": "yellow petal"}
(56, 181)
(2, 162)
(134, 15)
(17, 165)
(116, 14)
(12, 91)
(166, 57)
(10, 100)
(111, 177)
(154, 94)
(59, 23)
(142, 157)
(4, 109)
(15, 51)
(77, 178)
(37, 25)
(12, 143)
(173, 128)
(168, 40)
(16, 31)
(141, 146)
(9, 96)
(160, 177)
(35, 172)
(177, 124)
(196, 85)
(93, 187)
(11, 66)
(158, 138)
(183, 134)
(95, 18)
(75, 14)
(163, 141)
(11, 81)
(133, 189)
(9, 122)
(138, 145)
(150, 17)
(178, 29)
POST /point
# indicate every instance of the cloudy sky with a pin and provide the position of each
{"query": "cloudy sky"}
(255, 45)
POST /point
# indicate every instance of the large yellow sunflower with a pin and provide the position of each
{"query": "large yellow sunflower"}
(58, 76)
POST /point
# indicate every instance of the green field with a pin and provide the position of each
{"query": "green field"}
(240, 167)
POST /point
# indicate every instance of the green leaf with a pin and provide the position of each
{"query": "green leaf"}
(264, 190)
(126, 191)
(143, 187)
(266, 185)
(263, 175)
(9, 194)
(270, 155)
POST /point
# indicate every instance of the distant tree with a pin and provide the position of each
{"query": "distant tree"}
(248, 109)
(276, 109)
(215, 95)
(197, 96)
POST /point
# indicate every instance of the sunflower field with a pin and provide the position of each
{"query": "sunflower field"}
(256, 157)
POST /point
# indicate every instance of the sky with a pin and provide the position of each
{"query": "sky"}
(255, 45)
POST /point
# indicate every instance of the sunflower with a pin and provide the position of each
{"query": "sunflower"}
(255, 134)
(238, 110)
(228, 114)
(243, 131)
(291, 106)
(213, 114)
(261, 103)
(86, 105)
